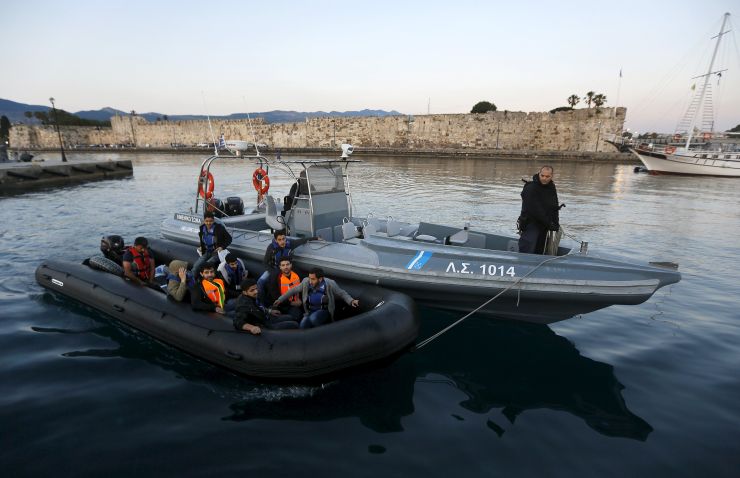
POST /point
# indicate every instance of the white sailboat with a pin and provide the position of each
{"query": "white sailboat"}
(696, 159)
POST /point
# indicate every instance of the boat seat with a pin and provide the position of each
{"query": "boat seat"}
(459, 238)
(369, 229)
(272, 218)
(393, 228)
(349, 230)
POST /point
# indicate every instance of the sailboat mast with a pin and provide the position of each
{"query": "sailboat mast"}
(706, 79)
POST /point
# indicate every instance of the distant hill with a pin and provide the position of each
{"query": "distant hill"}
(14, 111)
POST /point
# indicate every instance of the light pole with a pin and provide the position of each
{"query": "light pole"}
(498, 130)
(131, 122)
(333, 134)
(56, 123)
(598, 136)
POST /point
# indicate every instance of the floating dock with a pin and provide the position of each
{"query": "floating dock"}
(19, 177)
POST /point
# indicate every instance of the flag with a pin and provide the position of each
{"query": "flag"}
(620, 72)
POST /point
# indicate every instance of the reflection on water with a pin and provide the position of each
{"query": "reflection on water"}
(520, 367)
(508, 366)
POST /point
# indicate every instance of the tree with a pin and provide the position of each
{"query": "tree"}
(573, 100)
(599, 100)
(28, 114)
(736, 129)
(4, 129)
(41, 116)
(590, 98)
(561, 108)
(483, 107)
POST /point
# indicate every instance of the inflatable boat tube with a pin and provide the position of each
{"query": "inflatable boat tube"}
(386, 324)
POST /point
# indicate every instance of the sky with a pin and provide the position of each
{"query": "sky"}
(222, 57)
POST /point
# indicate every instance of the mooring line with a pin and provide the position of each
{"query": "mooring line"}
(426, 341)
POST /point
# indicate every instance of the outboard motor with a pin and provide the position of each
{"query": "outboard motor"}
(234, 206)
(112, 248)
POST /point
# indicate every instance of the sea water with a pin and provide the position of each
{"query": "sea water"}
(645, 390)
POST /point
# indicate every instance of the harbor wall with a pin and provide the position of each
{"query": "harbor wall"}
(581, 130)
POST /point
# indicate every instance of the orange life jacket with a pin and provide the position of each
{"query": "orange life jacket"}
(287, 283)
(142, 263)
(215, 290)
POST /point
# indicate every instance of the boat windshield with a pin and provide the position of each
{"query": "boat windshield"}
(325, 178)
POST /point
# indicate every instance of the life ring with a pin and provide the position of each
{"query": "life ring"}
(707, 136)
(207, 191)
(676, 137)
(669, 149)
(258, 178)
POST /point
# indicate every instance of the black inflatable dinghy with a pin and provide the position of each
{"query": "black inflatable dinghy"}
(384, 325)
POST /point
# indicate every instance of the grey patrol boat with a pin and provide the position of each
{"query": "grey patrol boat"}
(446, 267)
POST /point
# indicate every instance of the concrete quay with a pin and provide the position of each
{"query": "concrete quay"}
(329, 153)
(20, 177)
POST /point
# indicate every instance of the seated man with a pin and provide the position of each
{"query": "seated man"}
(280, 247)
(179, 280)
(138, 263)
(233, 272)
(208, 294)
(250, 316)
(286, 280)
(213, 239)
(318, 296)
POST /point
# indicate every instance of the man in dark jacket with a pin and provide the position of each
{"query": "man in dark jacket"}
(281, 247)
(540, 211)
(251, 317)
(213, 239)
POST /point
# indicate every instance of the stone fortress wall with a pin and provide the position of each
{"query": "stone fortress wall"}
(576, 130)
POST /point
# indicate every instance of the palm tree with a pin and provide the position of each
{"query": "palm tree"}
(599, 100)
(573, 101)
(590, 98)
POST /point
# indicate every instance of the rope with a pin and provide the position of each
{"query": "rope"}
(426, 341)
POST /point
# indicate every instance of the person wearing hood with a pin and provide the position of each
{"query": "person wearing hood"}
(179, 280)
(540, 211)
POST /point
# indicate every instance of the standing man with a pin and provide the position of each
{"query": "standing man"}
(540, 211)
(318, 295)
(138, 263)
(213, 239)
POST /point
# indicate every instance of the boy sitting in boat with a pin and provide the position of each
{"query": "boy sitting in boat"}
(179, 280)
(318, 296)
(209, 293)
(213, 239)
(280, 247)
(138, 263)
(233, 272)
(249, 316)
(286, 280)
